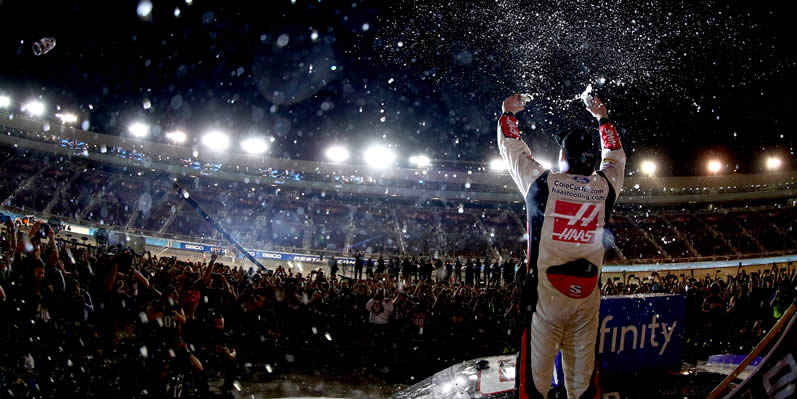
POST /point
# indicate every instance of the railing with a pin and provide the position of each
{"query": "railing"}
(648, 261)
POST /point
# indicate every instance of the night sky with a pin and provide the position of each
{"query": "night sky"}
(683, 81)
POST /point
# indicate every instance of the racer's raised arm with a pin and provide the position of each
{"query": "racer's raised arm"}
(519, 161)
(612, 153)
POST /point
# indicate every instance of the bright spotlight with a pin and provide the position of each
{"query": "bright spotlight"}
(421, 161)
(379, 157)
(714, 166)
(774, 163)
(67, 118)
(176, 136)
(545, 163)
(254, 145)
(217, 141)
(5, 101)
(648, 168)
(138, 129)
(498, 165)
(34, 108)
(337, 153)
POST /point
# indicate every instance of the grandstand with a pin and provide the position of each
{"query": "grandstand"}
(458, 209)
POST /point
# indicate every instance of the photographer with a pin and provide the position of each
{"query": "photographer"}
(406, 270)
(495, 271)
(369, 268)
(219, 355)
(380, 265)
(332, 263)
(470, 268)
(358, 266)
(477, 271)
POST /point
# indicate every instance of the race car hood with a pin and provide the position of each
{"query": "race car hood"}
(491, 377)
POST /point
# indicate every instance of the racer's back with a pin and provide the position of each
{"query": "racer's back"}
(567, 214)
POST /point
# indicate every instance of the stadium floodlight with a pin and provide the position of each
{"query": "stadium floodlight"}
(66, 117)
(337, 153)
(176, 136)
(216, 140)
(254, 145)
(34, 108)
(648, 168)
(498, 165)
(774, 163)
(379, 157)
(421, 161)
(138, 129)
(5, 101)
(544, 162)
(714, 166)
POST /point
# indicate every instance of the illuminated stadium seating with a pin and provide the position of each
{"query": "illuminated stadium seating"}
(342, 215)
(462, 232)
(375, 231)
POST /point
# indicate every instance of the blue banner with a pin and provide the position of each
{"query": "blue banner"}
(283, 256)
(156, 242)
(637, 334)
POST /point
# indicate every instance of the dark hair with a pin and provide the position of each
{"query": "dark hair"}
(580, 150)
(34, 263)
(168, 290)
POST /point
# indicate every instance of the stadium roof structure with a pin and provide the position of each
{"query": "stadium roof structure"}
(435, 182)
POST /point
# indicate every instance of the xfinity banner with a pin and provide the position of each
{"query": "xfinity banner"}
(638, 333)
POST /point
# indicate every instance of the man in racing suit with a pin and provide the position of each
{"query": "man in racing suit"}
(568, 214)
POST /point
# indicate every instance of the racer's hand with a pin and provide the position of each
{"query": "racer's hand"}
(513, 104)
(597, 109)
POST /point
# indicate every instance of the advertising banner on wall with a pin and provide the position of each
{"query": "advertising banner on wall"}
(637, 333)
(640, 333)
(272, 255)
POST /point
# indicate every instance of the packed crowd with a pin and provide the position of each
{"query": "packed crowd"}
(724, 314)
(92, 322)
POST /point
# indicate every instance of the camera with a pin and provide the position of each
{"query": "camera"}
(101, 236)
(42, 232)
(122, 256)
(55, 225)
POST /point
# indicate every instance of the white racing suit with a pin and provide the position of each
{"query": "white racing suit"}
(568, 236)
